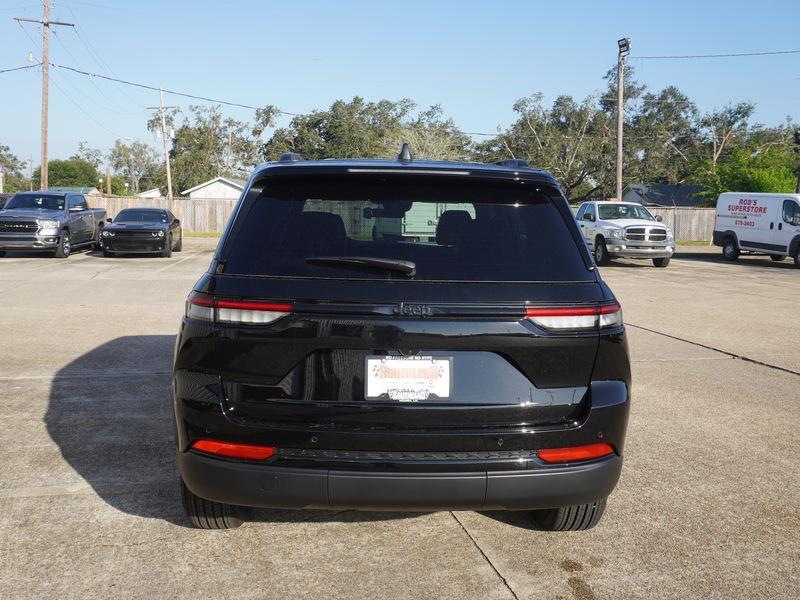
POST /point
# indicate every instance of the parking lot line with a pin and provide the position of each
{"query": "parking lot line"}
(176, 263)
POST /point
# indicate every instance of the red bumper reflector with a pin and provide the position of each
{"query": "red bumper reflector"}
(234, 450)
(563, 455)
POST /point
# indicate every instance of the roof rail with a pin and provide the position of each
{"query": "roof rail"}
(290, 157)
(512, 162)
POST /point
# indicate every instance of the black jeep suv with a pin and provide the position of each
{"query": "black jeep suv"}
(401, 335)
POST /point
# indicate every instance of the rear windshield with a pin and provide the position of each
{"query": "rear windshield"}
(452, 231)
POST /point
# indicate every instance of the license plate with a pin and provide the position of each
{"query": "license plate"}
(409, 378)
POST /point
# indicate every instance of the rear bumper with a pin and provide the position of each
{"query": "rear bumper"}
(249, 484)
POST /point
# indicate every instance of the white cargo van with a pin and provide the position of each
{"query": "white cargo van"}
(758, 223)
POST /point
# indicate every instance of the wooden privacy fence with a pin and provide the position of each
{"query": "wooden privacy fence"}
(196, 214)
(211, 214)
(696, 224)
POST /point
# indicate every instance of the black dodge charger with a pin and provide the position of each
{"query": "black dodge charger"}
(401, 335)
(142, 231)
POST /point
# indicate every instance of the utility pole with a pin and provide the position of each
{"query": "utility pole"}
(108, 181)
(162, 109)
(624, 48)
(45, 22)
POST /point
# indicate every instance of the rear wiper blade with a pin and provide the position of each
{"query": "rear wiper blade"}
(406, 267)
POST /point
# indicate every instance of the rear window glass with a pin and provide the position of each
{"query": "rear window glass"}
(455, 231)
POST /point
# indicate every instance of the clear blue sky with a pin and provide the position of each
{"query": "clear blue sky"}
(475, 58)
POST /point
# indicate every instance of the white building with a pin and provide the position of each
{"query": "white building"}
(217, 188)
(154, 193)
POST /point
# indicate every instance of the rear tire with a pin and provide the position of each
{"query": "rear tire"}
(64, 246)
(729, 249)
(570, 518)
(207, 514)
(776, 257)
(167, 251)
(601, 256)
(179, 245)
(797, 256)
(661, 262)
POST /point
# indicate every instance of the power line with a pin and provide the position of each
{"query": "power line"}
(173, 92)
(119, 109)
(19, 68)
(283, 112)
(89, 116)
(87, 44)
(729, 55)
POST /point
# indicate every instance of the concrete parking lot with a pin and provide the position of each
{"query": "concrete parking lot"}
(708, 504)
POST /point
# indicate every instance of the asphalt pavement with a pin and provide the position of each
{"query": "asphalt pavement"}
(708, 504)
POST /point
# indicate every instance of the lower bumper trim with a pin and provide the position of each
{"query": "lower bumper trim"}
(265, 486)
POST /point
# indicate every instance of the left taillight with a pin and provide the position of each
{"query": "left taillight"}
(223, 310)
(576, 318)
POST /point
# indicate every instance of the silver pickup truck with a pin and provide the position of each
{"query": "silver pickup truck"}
(625, 230)
(57, 222)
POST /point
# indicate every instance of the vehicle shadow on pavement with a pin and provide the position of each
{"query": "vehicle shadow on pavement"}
(110, 414)
(754, 260)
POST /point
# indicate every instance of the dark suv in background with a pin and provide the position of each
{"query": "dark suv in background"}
(401, 335)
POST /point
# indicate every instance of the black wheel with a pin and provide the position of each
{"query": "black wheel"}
(570, 518)
(797, 257)
(64, 246)
(776, 257)
(2, 253)
(97, 245)
(601, 253)
(729, 249)
(661, 262)
(167, 251)
(206, 514)
(107, 254)
(179, 245)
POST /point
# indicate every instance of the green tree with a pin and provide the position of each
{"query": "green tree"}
(573, 140)
(347, 129)
(431, 136)
(70, 172)
(206, 144)
(134, 162)
(93, 156)
(772, 169)
(661, 138)
(14, 179)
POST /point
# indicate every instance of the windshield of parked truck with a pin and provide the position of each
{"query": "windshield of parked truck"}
(36, 202)
(139, 215)
(624, 211)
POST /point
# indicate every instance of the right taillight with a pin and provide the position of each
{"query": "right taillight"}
(575, 453)
(576, 318)
(222, 310)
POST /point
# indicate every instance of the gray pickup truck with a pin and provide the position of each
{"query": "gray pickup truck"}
(58, 222)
